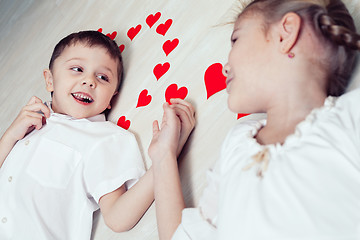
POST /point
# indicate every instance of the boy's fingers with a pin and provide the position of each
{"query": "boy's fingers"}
(155, 127)
(36, 107)
(185, 110)
(33, 100)
(184, 103)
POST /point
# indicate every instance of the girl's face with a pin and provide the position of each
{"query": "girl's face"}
(249, 65)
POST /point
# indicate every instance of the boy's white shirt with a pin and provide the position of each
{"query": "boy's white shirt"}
(52, 180)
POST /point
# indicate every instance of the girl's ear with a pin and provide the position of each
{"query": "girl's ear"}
(48, 80)
(290, 26)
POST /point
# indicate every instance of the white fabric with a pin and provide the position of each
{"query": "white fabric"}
(309, 191)
(52, 180)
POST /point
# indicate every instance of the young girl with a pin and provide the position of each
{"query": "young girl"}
(295, 175)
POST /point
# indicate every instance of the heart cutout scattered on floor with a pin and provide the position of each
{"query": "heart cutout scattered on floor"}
(172, 91)
(215, 81)
(152, 19)
(133, 32)
(112, 36)
(122, 48)
(240, 115)
(169, 46)
(122, 122)
(164, 27)
(144, 99)
(161, 69)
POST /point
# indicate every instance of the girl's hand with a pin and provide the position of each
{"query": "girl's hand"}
(28, 119)
(165, 140)
(185, 111)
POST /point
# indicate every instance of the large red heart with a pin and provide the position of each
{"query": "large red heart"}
(215, 81)
(152, 19)
(144, 98)
(122, 122)
(112, 35)
(133, 32)
(164, 27)
(173, 92)
(168, 46)
(161, 69)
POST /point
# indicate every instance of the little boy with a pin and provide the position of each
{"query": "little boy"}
(60, 161)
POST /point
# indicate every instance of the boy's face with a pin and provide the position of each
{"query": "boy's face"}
(83, 81)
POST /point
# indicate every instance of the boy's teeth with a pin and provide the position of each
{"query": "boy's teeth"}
(83, 97)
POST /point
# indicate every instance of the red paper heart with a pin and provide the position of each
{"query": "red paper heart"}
(122, 48)
(161, 69)
(112, 35)
(240, 115)
(173, 92)
(164, 27)
(144, 98)
(122, 122)
(100, 30)
(152, 19)
(168, 46)
(133, 32)
(215, 81)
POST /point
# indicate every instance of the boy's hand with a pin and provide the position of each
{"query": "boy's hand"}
(177, 123)
(29, 118)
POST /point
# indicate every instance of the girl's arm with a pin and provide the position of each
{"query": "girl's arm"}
(28, 119)
(177, 124)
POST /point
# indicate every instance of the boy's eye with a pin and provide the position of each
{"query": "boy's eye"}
(103, 77)
(77, 69)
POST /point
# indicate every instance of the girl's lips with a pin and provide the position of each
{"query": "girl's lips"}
(82, 98)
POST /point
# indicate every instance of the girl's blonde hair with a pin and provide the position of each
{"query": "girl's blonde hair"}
(334, 27)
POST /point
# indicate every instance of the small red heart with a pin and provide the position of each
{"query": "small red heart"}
(100, 30)
(215, 81)
(240, 115)
(112, 35)
(152, 19)
(122, 122)
(122, 48)
(164, 27)
(173, 92)
(133, 32)
(161, 69)
(168, 46)
(144, 98)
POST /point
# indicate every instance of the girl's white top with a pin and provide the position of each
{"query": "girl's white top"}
(52, 180)
(309, 187)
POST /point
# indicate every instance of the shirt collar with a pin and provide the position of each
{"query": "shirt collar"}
(96, 118)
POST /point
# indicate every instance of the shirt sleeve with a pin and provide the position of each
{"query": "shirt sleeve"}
(114, 161)
(193, 226)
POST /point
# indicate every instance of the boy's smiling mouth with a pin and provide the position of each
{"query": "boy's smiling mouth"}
(82, 98)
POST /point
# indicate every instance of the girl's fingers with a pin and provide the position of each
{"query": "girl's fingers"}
(155, 127)
(184, 109)
(184, 103)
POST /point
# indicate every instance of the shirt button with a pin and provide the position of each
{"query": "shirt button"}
(27, 142)
(4, 220)
(10, 178)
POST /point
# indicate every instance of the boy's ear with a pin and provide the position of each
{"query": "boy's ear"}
(109, 107)
(290, 26)
(48, 80)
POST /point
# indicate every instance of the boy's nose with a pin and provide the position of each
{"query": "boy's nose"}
(89, 81)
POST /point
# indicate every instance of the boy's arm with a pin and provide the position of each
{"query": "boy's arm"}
(123, 209)
(28, 119)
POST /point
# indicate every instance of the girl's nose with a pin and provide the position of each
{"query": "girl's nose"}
(226, 70)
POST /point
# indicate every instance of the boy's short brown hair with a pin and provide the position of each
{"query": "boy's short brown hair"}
(90, 38)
